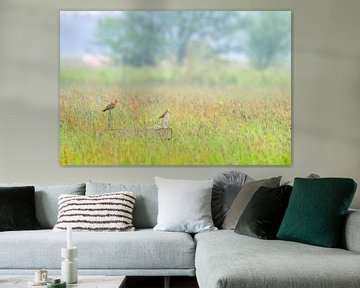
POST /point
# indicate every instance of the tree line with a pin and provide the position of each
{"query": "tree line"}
(145, 38)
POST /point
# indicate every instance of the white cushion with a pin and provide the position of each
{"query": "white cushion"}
(184, 205)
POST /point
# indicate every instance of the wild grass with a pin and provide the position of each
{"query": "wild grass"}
(223, 117)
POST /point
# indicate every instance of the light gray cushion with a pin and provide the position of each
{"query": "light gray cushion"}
(146, 204)
(310, 176)
(184, 205)
(243, 198)
(46, 200)
(351, 231)
(225, 259)
(143, 249)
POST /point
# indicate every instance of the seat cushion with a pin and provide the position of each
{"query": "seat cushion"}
(225, 259)
(144, 249)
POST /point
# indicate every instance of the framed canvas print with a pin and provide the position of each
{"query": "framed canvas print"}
(175, 88)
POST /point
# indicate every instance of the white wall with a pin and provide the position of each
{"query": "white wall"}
(326, 91)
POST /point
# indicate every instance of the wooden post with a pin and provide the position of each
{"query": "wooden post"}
(165, 133)
(109, 120)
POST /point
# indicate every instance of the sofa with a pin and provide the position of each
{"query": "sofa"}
(218, 259)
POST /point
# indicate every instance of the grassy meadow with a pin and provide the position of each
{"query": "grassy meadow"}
(219, 116)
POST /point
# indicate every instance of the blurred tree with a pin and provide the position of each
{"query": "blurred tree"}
(212, 29)
(143, 38)
(269, 37)
(134, 39)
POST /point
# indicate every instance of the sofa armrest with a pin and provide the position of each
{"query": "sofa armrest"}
(351, 233)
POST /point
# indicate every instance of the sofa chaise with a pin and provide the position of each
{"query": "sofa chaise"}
(226, 259)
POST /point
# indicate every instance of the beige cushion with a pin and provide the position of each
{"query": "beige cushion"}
(243, 198)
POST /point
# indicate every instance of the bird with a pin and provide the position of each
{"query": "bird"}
(111, 105)
(165, 118)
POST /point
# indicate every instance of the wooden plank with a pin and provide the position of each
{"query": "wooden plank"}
(164, 133)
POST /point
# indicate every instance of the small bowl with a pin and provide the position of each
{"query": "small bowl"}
(56, 283)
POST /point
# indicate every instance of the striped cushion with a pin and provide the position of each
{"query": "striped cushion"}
(105, 212)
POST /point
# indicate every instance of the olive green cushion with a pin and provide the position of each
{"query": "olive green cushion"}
(316, 211)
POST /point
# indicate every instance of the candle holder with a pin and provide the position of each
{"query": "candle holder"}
(69, 271)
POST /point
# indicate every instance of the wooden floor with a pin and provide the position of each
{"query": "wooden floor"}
(158, 282)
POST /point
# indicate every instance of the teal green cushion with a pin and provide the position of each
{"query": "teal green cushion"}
(316, 211)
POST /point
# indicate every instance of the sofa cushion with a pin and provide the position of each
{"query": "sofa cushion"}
(17, 208)
(243, 198)
(263, 215)
(225, 189)
(317, 209)
(291, 182)
(350, 239)
(46, 200)
(184, 205)
(146, 205)
(142, 249)
(225, 259)
(105, 212)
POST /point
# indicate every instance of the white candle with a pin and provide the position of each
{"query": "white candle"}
(69, 237)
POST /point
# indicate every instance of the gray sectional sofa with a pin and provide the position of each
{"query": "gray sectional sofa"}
(219, 259)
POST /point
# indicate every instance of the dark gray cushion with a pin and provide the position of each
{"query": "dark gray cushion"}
(243, 198)
(225, 189)
(263, 214)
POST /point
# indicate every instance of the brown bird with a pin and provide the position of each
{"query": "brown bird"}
(111, 105)
(165, 118)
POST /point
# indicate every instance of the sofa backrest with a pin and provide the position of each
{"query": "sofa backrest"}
(46, 200)
(146, 203)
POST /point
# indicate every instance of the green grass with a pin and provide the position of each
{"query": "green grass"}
(217, 74)
(222, 116)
